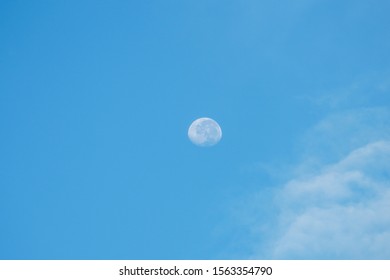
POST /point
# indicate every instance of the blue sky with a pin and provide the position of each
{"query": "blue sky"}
(96, 98)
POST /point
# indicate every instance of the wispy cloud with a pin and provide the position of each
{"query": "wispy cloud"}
(365, 91)
(343, 211)
(336, 204)
(339, 133)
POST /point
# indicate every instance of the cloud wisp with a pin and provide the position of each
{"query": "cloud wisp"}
(342, 212)
(336, 202)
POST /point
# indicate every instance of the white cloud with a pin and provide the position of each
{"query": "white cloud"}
(336, 203)
(341, 212)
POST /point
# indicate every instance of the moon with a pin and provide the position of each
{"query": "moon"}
(204, 132)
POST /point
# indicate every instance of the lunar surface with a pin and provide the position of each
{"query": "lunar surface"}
(204, 132)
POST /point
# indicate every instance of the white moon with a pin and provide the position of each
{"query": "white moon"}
(205, 132)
